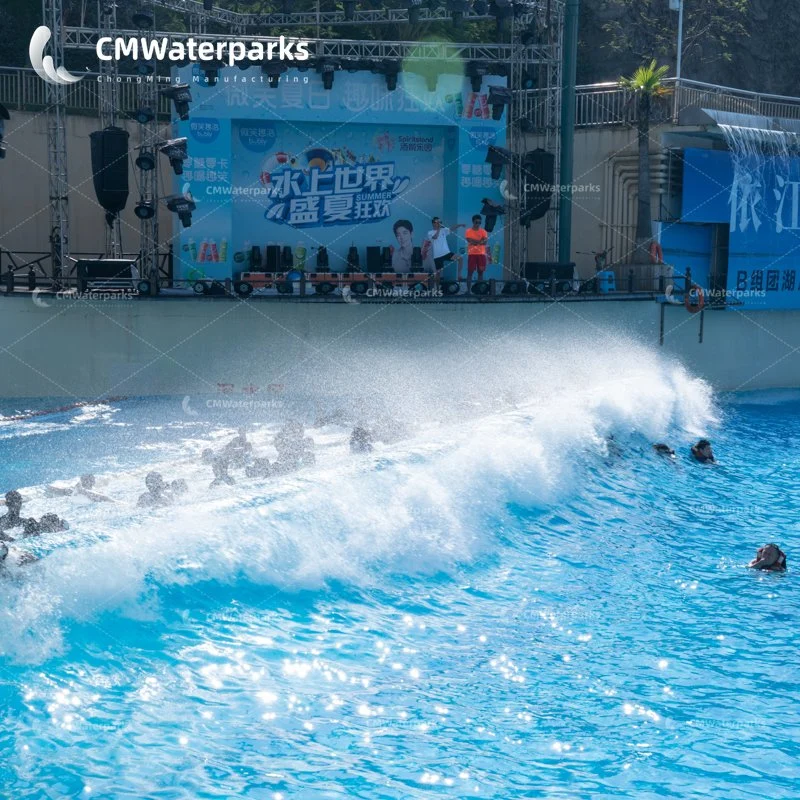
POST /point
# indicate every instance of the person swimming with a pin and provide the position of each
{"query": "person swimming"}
(769, 558)
(258, 468)
(84, 486)
(12, 518)
(49, 523)
(238, 451)
(663, 450)
(703, 453)
(24, 558)
(294, 449)
(360, 440)
(157, 493)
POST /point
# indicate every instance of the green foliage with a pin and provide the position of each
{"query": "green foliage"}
(648, 28)
(647, 80)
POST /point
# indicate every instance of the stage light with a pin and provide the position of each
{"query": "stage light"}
(529, 35)
(326, 68)
(182, 205)
(144, 115)
(502, 10)
(144, 210)
(499, 97)
(143, 19)
(181, 96)
(175, 151)
(391, 69)
(491, 211)
(4, 115)
(480, 7)
(457, 9)
(349, 10)
(211, 71)
(143, 68)
(526, 125)
(475, 71)
(413, 11)
(498, 157)
(146, 160)
(273, 70)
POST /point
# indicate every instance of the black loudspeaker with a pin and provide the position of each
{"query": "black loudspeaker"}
(255, 257)
(374, 261)
(322, 258)
(287, 257)
(105, 273)
(538, 173)
(544, 270)
(353, 260)
(416, 259)
(273, 257)
(110, 167)
(386, 259)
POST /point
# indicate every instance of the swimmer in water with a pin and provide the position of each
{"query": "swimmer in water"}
(11, 519)
(703, 453)
(770, 558)
(219, 466)
(294, 450)
(157, 492)
(84, 486)
(663, 450)
(258, 468)
(23, 558)
(360, 440)
(238, 451)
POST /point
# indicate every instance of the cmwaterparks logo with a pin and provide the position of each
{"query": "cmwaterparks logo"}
(162, 48)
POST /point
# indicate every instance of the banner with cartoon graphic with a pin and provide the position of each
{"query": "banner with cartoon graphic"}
(355, 166)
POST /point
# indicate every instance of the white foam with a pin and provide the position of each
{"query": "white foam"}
(511, 429)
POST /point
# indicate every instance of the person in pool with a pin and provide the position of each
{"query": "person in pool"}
(157, 494)
(238, 451)
(12, 518)
(84, 486)
(219, 466)
(663, 450)
(702, 452)
(360, 440)
(295, 450)
(49, 523)
(770, 558)
(23, 558)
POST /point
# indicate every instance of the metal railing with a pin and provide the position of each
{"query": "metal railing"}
(21, 89)
(604, 104)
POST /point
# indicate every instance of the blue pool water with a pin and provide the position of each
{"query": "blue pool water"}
(491, 605)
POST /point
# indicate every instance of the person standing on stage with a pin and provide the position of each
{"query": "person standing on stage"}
(441, 249)
(476, 237)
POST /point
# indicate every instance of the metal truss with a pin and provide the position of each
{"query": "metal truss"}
(86, 39)
(52, 14)
(239, 23)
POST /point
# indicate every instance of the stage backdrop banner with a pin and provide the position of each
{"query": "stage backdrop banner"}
(758, 197)
(303, 167)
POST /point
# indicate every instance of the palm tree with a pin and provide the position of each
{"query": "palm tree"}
(645, 84)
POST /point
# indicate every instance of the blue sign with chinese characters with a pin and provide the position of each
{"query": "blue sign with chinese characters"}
(359, 166)
(758, 198)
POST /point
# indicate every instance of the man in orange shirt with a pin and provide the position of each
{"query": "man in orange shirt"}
(476, 238)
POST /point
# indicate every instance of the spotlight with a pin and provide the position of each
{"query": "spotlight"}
(498, 157)
(4, 115)
(181, 96)
(182, 205)
(143, 287)
(211, 71)
(146, 160)
(349, 9)
(526, 125)
(273, 70)
(175, 151)
(491, 211)
(143, 68)
(413, 11)
(457, 9)
(144, 115)
(391, 69)
(475, 71)
(480, 7)
(529, 35)
(502, 10)
(144, 210)
(143, 19)
(326, 68)
(499, 97)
